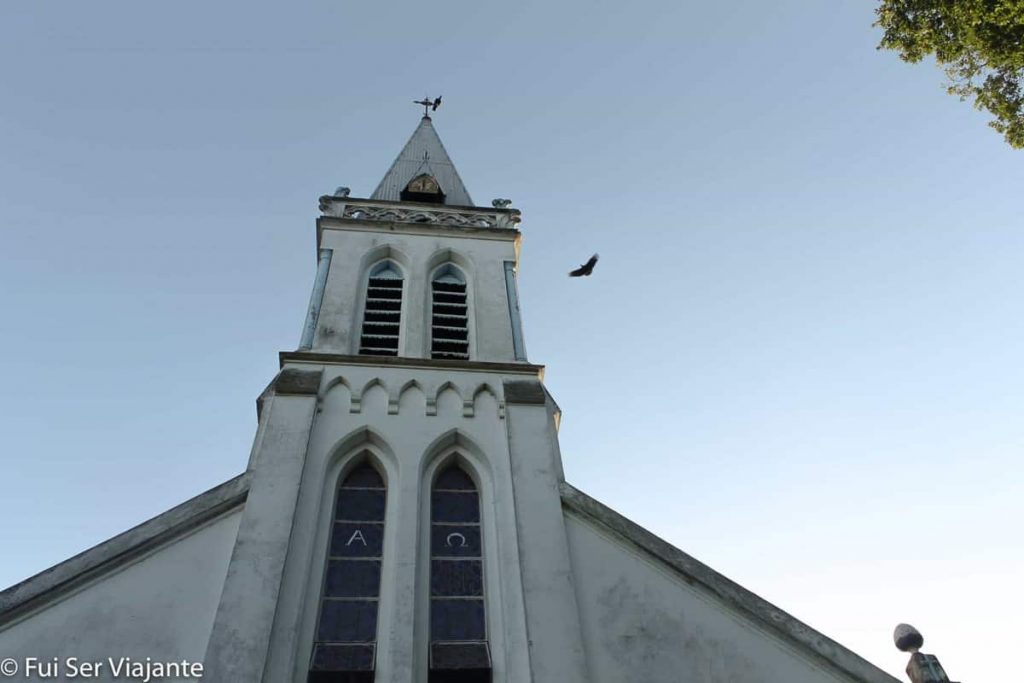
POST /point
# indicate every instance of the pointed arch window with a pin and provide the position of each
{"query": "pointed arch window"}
(382, 319)
(458, 631)
(346, 634)
(449, 329)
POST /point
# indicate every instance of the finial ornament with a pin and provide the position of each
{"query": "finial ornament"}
(907, 638)
(428, 105)
(921, 668)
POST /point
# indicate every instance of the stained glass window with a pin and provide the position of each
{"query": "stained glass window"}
(345, 642)
(458, 627)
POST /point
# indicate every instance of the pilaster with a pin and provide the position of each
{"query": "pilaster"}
(552, 616)
(237, 650)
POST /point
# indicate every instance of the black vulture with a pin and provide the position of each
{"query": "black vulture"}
(586, 269)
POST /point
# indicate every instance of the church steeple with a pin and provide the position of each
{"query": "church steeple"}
(423, 172)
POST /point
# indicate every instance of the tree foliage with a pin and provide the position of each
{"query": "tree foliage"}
(979, 44)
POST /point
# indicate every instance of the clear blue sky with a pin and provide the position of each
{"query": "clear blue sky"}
(799, 359)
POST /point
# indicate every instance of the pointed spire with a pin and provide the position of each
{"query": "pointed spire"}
(423, 154)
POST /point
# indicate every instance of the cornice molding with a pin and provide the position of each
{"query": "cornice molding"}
(319, 358)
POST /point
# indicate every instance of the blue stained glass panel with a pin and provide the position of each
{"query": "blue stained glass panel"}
(352, 579)
(348, 621)
(456, 619)
(451, 506)
(456, 577)
(360, 505)
(454, 478)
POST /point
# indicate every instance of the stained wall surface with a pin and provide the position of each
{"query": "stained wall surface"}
(160, 606)
(643, 622)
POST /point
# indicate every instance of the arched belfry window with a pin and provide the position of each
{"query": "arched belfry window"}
(449, 325)
(382, 319)
(346, 634)
(458, 626)
(423, 188)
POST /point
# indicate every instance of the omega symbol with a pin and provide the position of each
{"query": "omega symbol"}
(448, 540)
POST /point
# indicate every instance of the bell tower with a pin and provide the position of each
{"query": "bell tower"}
(417, 270)
(404, 521)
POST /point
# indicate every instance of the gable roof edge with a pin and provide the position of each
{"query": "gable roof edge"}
(792, 630)
(120, 550)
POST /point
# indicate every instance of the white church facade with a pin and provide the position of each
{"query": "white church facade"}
(404, 516)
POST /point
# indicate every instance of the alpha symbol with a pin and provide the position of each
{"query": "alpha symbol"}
(357, 535)
(448, 540)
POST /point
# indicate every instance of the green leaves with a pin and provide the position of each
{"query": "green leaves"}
(978, 43)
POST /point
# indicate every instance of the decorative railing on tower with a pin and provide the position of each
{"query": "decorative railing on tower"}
(343, 206)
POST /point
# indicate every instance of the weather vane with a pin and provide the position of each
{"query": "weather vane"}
(428, 105)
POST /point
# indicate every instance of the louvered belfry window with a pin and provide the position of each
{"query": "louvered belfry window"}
(458, 632)
(382, 320)
(449, 330)
(346, 634)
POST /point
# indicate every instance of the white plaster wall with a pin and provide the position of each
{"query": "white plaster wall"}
(481, 257)
(395, 428)
(553, 621)
(643, 622)
(161, 606)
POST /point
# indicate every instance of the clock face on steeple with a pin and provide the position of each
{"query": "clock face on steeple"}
(423, 188)
(424, 183)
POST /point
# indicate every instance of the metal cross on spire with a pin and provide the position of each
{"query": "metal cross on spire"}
(428, 105)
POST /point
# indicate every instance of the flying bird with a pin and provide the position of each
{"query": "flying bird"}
(586, 269)
(437, 103)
